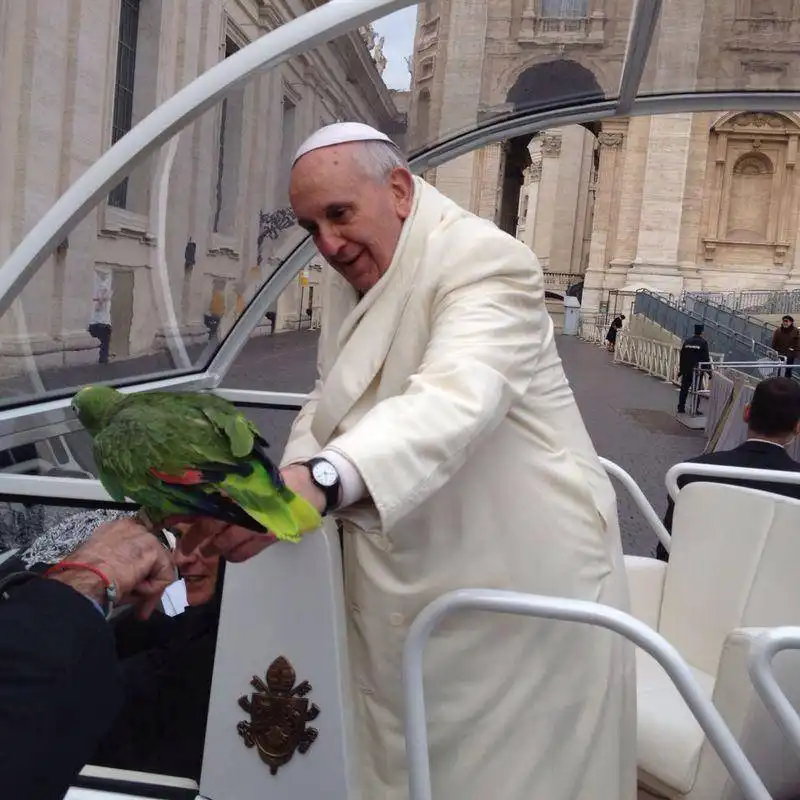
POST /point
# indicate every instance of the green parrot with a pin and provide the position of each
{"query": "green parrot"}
(189, 454)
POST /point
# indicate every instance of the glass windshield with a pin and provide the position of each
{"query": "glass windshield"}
(747, 45)
(156, 275)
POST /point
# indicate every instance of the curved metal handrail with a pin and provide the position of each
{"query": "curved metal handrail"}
(582, 611)
(759, 664)
(640, 499)
(720, 471)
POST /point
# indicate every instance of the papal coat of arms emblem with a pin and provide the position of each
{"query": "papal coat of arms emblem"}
(279, 716)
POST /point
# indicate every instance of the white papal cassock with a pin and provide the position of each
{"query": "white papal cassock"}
(444, 388)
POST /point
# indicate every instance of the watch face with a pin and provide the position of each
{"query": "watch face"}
(324, 473)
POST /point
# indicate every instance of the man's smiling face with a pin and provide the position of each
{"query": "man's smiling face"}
(355, 218)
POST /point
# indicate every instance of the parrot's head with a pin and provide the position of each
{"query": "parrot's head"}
(93, 406)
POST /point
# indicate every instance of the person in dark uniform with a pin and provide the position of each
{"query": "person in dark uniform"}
(694, 351)
(611, 336)
(773, 420)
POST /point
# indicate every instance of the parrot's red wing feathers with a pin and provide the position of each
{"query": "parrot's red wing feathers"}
(189, 477)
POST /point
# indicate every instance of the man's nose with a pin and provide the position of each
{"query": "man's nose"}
(329, 242)
(181, 558)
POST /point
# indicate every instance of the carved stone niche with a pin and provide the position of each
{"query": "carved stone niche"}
(613, 140)
(427, 67)
(750, 188)
(269, 17)
(551, 145)
(428, 34)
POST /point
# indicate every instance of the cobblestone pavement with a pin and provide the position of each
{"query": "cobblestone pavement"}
(631, 419)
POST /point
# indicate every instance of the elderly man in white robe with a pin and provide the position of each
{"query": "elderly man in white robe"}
(443, 435)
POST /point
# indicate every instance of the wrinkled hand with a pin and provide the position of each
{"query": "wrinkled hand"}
(298, 478)
(213, 537)
(237, 544)
(130, 556)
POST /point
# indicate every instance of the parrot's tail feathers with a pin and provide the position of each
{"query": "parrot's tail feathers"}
(269, 465)
(217, 506)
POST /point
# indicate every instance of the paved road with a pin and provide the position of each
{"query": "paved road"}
(629, 415)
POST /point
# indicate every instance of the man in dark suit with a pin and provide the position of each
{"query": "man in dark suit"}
(60, 688)
(773, 420)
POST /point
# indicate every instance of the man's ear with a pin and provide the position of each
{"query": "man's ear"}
(401, 184)
(746, 414)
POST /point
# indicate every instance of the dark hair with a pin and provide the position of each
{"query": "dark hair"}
(698, 329)
(775, 407)
(786, 316)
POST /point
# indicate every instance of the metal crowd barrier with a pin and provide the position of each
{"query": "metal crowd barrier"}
(581, 611)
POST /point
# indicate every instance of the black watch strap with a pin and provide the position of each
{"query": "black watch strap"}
(331, 492)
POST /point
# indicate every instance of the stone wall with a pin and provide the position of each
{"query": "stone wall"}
(59, 62)
(706, 201)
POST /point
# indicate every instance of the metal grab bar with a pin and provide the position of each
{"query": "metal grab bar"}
(720, 471)
(505, 602)
(759, 664)
(639, 498)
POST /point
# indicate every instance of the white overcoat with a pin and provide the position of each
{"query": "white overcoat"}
(444, 388)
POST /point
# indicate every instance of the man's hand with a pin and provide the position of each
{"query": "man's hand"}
(233, 542)
(298, 478)
(130, 556)
(238, 544)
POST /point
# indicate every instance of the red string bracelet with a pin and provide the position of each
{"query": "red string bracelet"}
(65, 565)
(110, 589)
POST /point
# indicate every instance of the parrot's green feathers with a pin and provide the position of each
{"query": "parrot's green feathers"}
(239, 435)
(186, 453)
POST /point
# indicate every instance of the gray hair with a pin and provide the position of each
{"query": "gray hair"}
(378, 159)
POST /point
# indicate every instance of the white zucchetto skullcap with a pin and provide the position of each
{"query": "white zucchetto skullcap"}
(340, 133)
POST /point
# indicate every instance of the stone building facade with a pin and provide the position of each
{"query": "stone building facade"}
(77, 75)
(705, 201)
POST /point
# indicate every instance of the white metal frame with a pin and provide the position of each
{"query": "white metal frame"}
(580, 611)
(759, 664)
(719, 471)
(639, 498)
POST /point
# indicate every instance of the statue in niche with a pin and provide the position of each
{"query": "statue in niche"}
(378, 56)
(368, 34)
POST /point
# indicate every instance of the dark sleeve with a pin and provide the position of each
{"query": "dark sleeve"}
(706, 356)
(668, 515)
(59, 687)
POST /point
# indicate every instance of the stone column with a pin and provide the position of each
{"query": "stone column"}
(656, 262)
(611, 141)
(677, 58)
(548, 189)
(488, 181)
(466, 48)
(534, 183)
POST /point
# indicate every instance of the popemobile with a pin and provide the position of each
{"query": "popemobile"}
(191, 295)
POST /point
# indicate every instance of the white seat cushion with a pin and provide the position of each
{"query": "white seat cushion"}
(669, 738)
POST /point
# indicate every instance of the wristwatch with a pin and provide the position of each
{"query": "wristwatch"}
(326, 478)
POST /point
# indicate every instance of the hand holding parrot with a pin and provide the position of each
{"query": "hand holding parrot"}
(189, 455)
